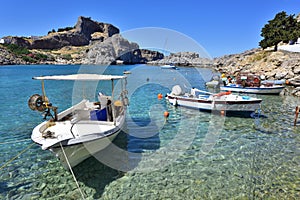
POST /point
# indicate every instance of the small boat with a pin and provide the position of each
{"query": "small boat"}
(223, 101)
(84, 129)
(169, 66)
(126, 72)
(263, 89)
(249, 83)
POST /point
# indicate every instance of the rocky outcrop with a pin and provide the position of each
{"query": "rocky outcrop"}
(183, 59)
(85, 31)
(149, 55)
(274, 65)
(117, 48)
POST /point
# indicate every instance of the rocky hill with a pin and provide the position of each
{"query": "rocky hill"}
(83, 32)
(88, 42)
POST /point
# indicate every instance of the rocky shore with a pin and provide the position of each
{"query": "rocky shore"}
(272, 64)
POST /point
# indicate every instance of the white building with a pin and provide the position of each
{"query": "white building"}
(293, 48)
(2, 41)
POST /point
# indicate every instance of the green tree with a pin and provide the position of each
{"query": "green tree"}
(282, 28)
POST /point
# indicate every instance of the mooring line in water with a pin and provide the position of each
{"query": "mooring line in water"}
(8, 162)
(15, 141)
(74, 177)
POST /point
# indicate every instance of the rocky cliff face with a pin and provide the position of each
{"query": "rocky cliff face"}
(183, 59)
(118, 48)
(84, 31)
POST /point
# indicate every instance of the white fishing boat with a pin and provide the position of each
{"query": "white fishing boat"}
(126, 72)
(83, 129)
(169, 66)
(202, 100)
(262, 89)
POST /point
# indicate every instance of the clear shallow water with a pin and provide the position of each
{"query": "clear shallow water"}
(194, 155)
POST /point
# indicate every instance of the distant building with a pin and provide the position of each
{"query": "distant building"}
(295, 47)
(2, 41)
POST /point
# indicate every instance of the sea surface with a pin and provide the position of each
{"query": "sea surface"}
(190, 155)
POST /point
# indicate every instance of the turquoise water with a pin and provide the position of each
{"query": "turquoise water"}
(192, 155)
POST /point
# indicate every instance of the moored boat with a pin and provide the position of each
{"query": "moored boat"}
(169, 66)
(202, 100)
(249, 83)
(83, 129)
(263, 89)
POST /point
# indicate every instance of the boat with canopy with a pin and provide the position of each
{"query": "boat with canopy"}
(83, 129)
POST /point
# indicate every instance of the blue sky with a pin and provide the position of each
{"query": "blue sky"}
(220, 26)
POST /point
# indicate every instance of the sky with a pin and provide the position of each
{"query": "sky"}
(220, 27)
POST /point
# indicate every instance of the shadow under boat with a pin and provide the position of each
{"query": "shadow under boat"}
(121, 156)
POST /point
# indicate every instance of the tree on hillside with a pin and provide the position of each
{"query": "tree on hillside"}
(282, 28)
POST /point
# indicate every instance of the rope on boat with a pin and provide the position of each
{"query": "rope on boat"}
(74, 177)
(11, 160)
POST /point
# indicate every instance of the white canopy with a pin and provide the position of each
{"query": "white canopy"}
(80, 77)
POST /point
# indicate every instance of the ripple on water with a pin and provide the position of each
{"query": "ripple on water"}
(249, 158)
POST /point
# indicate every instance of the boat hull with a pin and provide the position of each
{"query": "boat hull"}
(78, 153)
(253, 90)
(215, 105)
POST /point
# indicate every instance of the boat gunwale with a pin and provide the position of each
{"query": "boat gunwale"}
(216, 101)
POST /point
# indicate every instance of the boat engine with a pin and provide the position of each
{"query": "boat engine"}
(36, 102)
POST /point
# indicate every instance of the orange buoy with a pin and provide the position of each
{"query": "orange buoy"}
(166, 114)
(160, 96)
(287, 82)
(222, 112)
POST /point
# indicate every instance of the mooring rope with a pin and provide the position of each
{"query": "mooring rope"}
(8, 162)
(15, 141)
(74, 177)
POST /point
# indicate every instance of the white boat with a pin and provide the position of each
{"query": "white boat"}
(202, 100)
(262, 89)
(84, 129)
(170, 66)
(126, 72)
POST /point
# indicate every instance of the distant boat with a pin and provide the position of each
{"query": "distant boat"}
(169, 66)
(84, 129)
(202, 100)
(126, 72)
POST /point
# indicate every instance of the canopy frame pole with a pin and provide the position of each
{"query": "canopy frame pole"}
(112, 101)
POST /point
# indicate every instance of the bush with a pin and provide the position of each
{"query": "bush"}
(18, 50)
(41, 56)
(29, 59)
(64, 29)
(67, 56)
